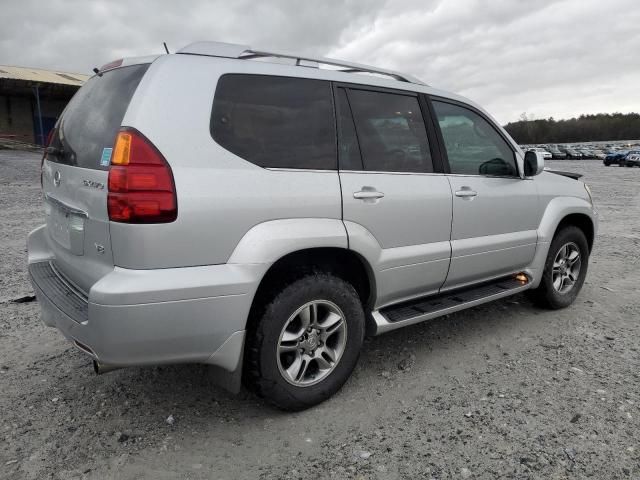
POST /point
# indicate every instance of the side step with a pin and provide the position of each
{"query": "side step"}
(421, 309)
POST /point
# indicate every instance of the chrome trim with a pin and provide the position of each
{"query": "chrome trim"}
(280, 169)
(377, 172)
(430, 174)
(312, 170)
(368, 195)
(464, 193)
(511, 177)
(67, 208)
(85, 349)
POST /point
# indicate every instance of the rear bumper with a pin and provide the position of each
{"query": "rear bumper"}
(146, 317)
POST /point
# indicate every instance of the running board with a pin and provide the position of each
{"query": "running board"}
(421, 309)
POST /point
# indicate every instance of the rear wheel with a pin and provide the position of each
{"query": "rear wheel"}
(306, 342)
(565, 269)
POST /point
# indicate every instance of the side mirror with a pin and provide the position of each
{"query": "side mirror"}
(533, 163)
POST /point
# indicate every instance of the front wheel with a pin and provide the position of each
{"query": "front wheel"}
(306, 342)
(565, 269)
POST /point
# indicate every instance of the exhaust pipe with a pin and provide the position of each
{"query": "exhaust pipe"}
(101, 368)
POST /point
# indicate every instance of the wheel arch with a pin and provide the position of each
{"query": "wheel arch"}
(560, 212)
(344, 263)
(583, 222)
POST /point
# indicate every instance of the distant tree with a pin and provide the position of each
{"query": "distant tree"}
(585, 128)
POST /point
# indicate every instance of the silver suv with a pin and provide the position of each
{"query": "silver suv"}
(256, 212)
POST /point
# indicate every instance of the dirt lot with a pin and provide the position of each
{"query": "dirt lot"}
(500, 391)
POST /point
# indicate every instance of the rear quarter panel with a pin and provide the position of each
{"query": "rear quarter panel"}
(220, 196)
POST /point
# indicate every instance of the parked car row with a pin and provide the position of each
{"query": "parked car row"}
(545, 154)
(558, 152)
(633, 159)
(622, 159)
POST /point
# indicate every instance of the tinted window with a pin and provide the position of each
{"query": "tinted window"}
(92, 118)
(275, 121)
(391, 132)
(474, 147)
(348, 149)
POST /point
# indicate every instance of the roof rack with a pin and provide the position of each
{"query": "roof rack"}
(245, 52)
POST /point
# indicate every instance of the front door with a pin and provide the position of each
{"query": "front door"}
(397, 212)
(495, 212)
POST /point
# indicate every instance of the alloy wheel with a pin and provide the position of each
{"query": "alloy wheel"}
(311, 343)
(566, 268)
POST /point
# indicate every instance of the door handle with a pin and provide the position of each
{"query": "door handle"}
(367, 194)
(466, 192)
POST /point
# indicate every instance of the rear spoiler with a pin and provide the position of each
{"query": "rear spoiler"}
(575, 176)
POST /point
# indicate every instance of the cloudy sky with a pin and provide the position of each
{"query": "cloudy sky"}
(547, 58)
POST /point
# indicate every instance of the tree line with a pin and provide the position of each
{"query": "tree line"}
(585, 128)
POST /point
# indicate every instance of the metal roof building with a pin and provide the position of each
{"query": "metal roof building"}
(31, 99)
(38, 75)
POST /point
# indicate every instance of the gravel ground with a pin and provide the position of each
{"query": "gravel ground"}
(499, 391)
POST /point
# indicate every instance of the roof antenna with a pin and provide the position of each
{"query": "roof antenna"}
(165, 47)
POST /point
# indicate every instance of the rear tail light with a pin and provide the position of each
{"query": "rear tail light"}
(141, 186)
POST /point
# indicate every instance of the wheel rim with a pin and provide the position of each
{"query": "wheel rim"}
(311, 343)
(566, 268)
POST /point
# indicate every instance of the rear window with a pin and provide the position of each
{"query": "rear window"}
(92, 118)
(391, 131)
(275, 122)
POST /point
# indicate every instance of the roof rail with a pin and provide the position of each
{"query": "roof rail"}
(245, 52)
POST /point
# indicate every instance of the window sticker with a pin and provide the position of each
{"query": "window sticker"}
(105, 160)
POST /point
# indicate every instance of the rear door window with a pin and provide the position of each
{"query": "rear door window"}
(391, 132)
(275, 122)
(93, 117)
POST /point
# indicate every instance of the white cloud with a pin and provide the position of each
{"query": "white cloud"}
(548, 58)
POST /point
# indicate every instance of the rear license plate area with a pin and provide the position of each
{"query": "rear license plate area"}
(66, 229)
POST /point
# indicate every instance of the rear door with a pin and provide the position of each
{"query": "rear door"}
(495, 212)
(390, 189)
(75, 174)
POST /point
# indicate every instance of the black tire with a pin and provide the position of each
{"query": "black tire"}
(263, 375)
(546, 295)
